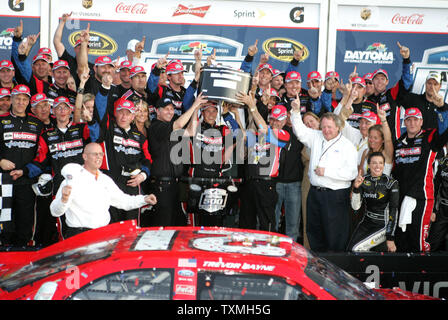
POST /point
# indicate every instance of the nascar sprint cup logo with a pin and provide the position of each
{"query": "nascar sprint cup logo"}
(374, 53)
(283, 49)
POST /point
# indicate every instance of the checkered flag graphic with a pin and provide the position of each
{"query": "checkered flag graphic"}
(5, 197)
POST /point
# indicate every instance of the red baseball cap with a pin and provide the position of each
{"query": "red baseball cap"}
(103, 60)
(61, 99)
(332, 74)
(273, 93)
(174, 67)
(46, 51)
(37, 98)
(293, 75)
(359, 80)
(21, 89)
(60, 64)
(276, 72)
(368, 76)
(314, 75)
(125, 64)
(371, 116)
(278, 112)
(266, 66)
(136, 70)
(4, 92)
(122, 103)
(6, 64)
(380, 71)
(40, 57)
(413, 112)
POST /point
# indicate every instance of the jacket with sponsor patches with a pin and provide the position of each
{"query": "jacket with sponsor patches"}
(124, 152)
(207, 151)
(19, 137)
(263, 155)
(414, 162)
(177, 97)
(57, 148)
(381, 196)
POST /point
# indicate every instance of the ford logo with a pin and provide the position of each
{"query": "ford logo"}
(185, 273)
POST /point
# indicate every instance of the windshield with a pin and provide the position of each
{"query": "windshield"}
(337, 282)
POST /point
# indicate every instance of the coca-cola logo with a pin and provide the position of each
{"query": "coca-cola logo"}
(198, 12)
(137, 8)
(415, 18)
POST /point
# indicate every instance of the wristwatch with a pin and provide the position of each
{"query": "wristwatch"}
(80, 90)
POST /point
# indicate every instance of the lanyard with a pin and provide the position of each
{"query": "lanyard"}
(325, 151)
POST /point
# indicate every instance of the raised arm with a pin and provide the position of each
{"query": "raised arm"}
(57, 38)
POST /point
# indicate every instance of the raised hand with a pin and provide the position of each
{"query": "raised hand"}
(18, 31)
(253, 49)
(404, 51)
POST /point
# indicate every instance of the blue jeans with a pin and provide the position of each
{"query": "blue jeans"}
(289, 194)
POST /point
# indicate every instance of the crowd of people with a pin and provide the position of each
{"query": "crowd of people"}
(355, 165)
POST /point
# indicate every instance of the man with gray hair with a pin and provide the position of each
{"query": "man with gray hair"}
(333, 166)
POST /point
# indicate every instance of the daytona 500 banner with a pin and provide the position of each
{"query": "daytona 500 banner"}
(366, 36)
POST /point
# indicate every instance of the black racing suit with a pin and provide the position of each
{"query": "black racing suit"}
(177, 97)
(56, 149)
(54, 91)
(19, 137)
(125, 152)
(381, 198)
(358, 109)
(207, 155)
(414, 169)
(439, 228)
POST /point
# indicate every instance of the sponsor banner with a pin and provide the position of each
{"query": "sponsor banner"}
(30, 15)
(22, 8)
(397, 19)
(252, 13)
(366, 37)
(179, 28)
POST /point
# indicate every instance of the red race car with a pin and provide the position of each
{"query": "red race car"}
(122, 261)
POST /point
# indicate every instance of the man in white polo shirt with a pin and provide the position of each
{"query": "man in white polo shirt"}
(86, 194)
(333, 166)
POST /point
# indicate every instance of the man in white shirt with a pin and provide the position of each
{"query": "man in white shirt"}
(333, 166)
(86, 194)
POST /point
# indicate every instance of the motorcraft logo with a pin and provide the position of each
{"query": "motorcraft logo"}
(374, 53)
(283, 49)
(100, 44)
(198, 12)
(126, 142)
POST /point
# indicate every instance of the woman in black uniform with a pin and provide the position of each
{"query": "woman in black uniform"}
(380, 193)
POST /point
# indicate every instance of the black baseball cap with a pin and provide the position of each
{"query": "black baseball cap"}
(163, 102)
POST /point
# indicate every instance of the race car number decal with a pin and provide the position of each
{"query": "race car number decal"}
(241, 242)
(155, 240)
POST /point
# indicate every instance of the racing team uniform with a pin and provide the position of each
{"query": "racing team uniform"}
(439, 228)
(125, 154)
(318, 106)
(358, 109)
(19, 137)
(208, 145)
(54, 91)
(259, 189)
(56, 149)
(165, 174)
(414, 170)
(390, 100)
(381, 197)
(177, 97)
